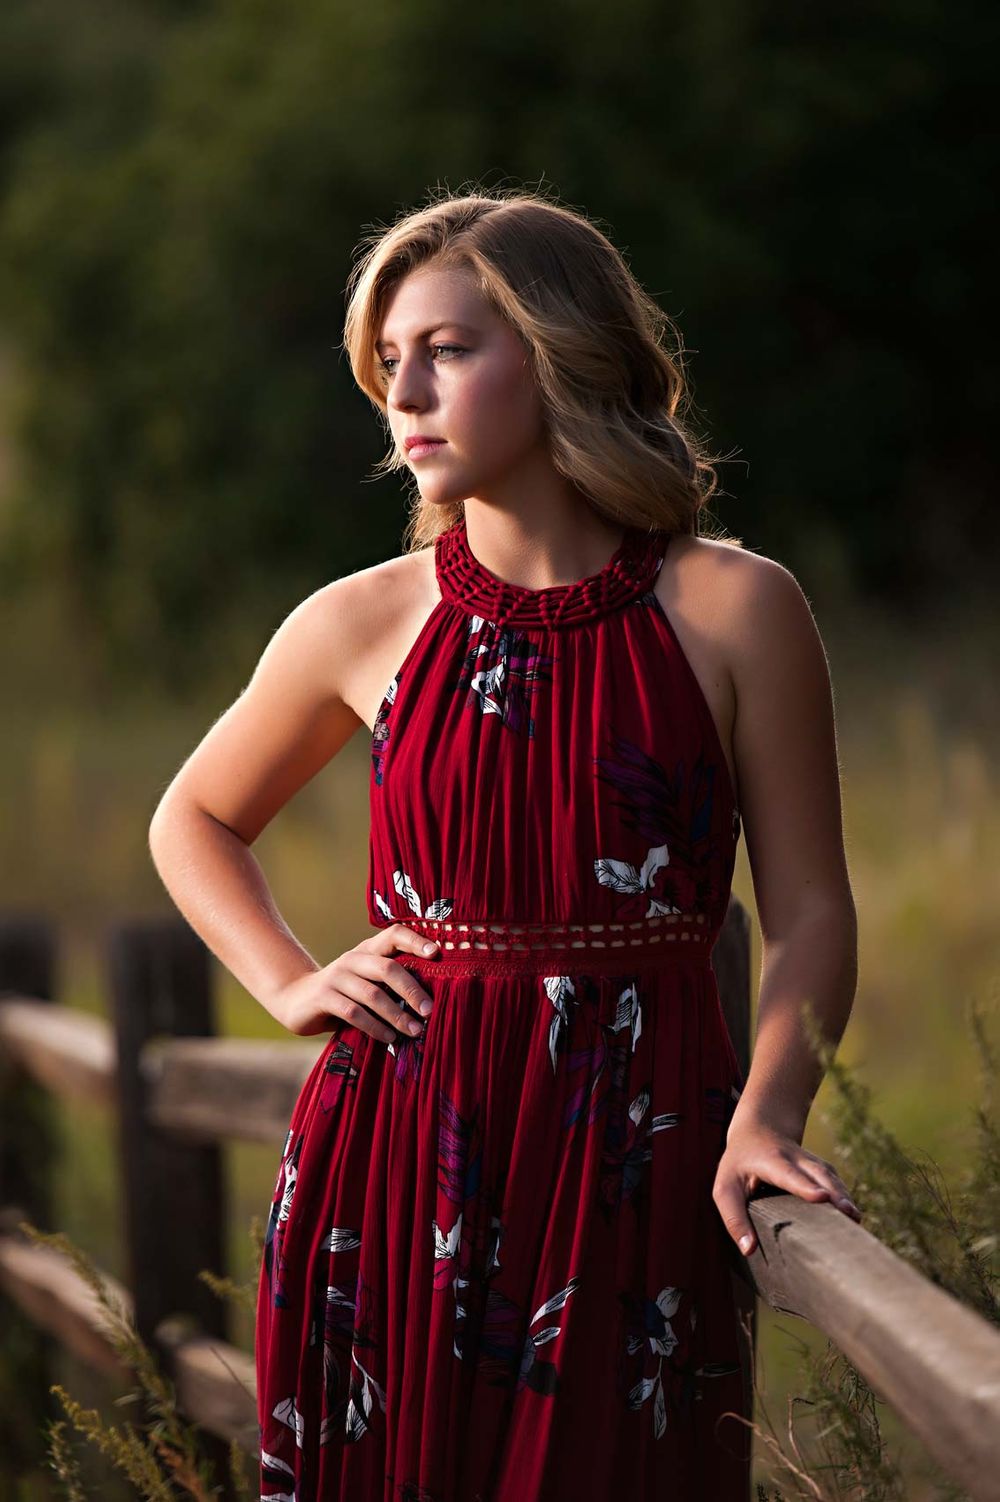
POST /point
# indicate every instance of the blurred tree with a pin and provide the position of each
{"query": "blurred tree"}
(182, 186)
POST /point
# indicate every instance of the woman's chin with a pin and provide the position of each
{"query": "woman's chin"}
(439, 495)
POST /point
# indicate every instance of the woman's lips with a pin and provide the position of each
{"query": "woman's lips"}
(422, 450)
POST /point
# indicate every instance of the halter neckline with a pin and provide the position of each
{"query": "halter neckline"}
(628, 574)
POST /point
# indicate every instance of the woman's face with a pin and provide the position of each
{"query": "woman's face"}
(458, 372)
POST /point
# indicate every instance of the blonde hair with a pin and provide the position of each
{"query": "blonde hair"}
(613, 394)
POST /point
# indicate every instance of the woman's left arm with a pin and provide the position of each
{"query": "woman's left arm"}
(785, 752)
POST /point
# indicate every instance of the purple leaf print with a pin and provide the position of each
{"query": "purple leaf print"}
(485, 1321)
(460, 1161)
(625, 1150)
(593, 1060)
(458, 1172)
(650, 800)
(671, 819)
(500, 669)
(408, 1052)
(494, 1340)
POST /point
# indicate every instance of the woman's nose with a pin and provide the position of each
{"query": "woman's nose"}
(406, 390)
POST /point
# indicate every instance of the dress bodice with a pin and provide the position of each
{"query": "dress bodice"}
(548, 756)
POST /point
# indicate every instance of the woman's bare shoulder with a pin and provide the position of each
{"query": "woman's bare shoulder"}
(736, 585)
(305, 699)
(784, 733)
(732, 557)
(358, 600)
(365, 621)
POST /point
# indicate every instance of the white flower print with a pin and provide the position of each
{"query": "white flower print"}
(557, 988)
(625, 877)
(440, 907)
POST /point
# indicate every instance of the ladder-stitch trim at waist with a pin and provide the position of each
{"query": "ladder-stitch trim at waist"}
(498, 947)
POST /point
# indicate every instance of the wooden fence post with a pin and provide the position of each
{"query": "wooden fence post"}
(27, 1135)
(28, 1149)
(731, 963)
(174, 1209)
(174, 1199)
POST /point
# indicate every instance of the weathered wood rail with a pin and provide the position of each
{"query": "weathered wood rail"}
(177, 1093)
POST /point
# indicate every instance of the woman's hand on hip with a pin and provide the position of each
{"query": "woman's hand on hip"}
(364, 987)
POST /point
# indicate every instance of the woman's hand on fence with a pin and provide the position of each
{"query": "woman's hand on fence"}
(757, 1154)
(352, 988)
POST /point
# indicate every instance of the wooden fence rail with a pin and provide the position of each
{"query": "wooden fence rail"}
(177, 1093)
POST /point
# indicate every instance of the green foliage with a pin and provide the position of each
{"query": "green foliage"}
(161, 1456)
(948, 1234)
(183, 184)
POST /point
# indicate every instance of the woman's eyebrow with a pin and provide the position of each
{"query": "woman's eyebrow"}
(466, 328)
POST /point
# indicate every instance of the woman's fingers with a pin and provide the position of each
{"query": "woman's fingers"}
(398, 936)
(374, 990)
(804, 1175)
(729, 1193)
(362, 1003)
(825, 1174)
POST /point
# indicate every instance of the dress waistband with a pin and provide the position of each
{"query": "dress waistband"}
(496, 947)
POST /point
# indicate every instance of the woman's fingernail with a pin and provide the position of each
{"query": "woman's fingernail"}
(746, 1241)
(429, 948)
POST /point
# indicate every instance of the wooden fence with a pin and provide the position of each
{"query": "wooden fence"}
(178, 1093)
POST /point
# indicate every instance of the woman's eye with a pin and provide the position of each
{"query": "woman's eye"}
(454, 348)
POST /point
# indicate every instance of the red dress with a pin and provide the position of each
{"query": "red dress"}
(493, 1269)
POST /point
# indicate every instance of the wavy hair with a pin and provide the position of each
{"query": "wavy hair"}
(613, 392)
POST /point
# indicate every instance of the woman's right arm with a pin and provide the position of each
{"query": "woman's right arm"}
(288, 722)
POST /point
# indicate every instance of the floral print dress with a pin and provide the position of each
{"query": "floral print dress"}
(493, 1269)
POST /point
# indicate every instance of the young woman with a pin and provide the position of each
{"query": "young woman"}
(497, 1264)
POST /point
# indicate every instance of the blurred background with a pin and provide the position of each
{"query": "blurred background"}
(183, 455)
